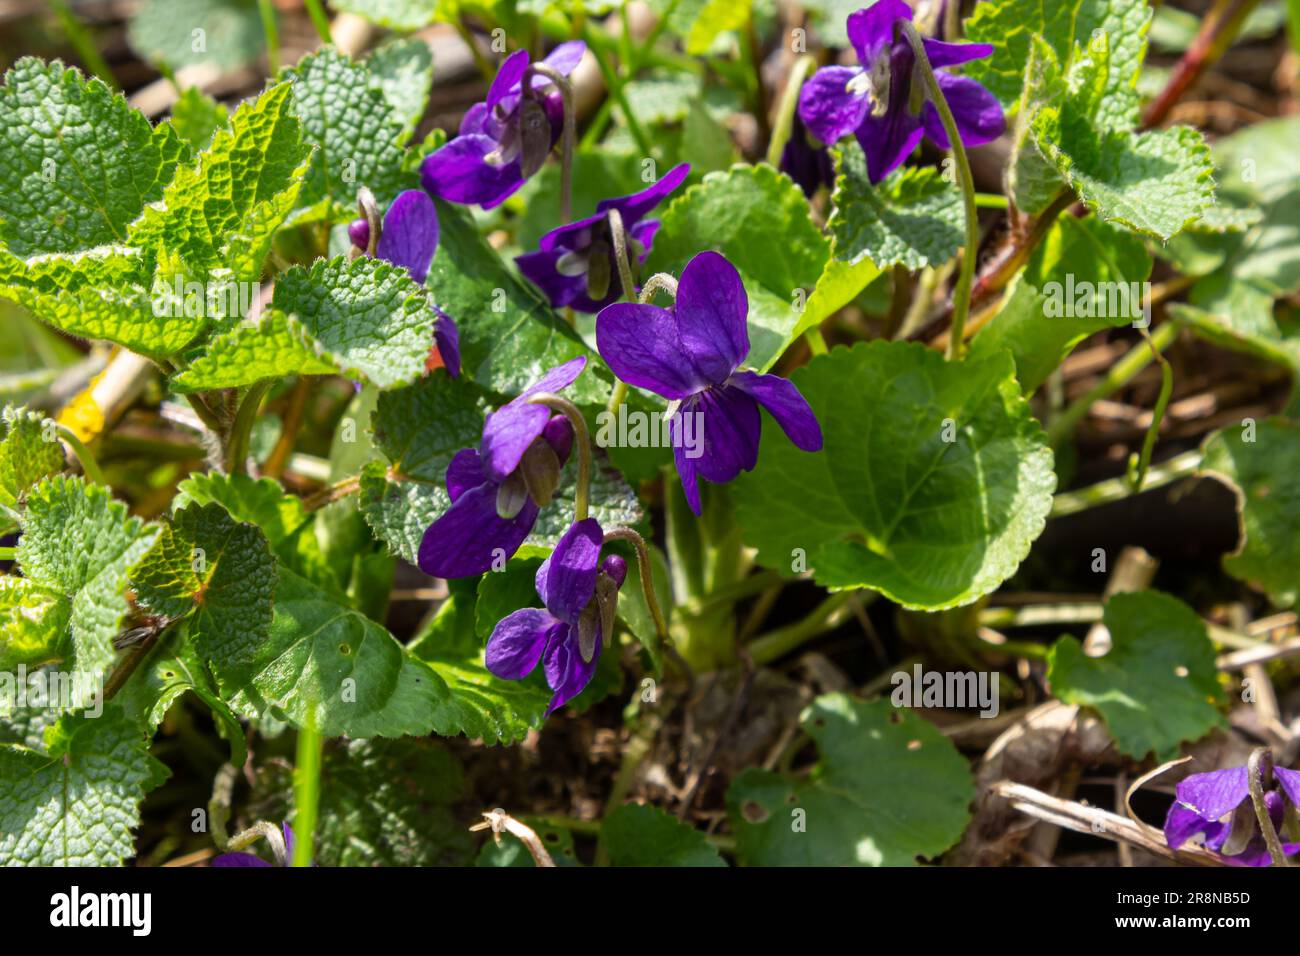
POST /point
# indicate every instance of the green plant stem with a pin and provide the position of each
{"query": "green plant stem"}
(646, 570)
(237, 444)
(966, 276)
(581, 438)
(84, 455)
(1119, 375)
(1259, 766)
(267, 10)
(786, 108)
(319, 20)
(82, 42)
(1157, 413)
(827, 616)
(569, 137)
(1113, 489)
(615, 86)
(624, 264)
(731, 593)
(1034, 615)
(306, 793)
(816, 341)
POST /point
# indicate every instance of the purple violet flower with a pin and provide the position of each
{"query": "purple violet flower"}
(575, 264)
(497, 489)
(505, 139)
(691, 355)
(409, 238)
(874, 100)
(580, 592)
(1203, 800)
(240, 859)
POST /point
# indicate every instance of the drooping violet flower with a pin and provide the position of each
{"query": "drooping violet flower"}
(875, 100)
(505, 139)
(691, 355)
(497, 489)
(409, 238)
(580, 592)
(809, 165)
(575, 264)
(1217, 806)
(239, 859)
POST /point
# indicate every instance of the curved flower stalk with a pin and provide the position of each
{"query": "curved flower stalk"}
(505, 139)
(1218, 806)
(497, 489)
(883, 103)
(577, 265)
(408, 237)
(283, 851)
(691, 355)
(580, 591)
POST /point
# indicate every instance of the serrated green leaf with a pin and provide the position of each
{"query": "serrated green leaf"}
(78, 164)
(75, 802)
(888, 789)
(25, 455)
(933, 481)
(403, 70)
(509, 336)
(103, 293)
(1084, 276)
(355, 130)
(1258, 461)
(79, 542)
(382, 803)
(1067, 27)
(272, 346)
(914, 218)
(225, 33)
(218, 215)
(635, 835)
(737, 213)
(197, 116)
(1157, 685)
(219, 570)
(33, 622)
(366, 316)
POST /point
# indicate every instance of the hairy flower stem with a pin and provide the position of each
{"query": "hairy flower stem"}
(624, 264)
(659, 282)
(84, 455)
(237, 444)
(1259, 773)
(306, 792)
(966, 276)
(569, 137)
(581, 438)
(262, 830)
(646, 571)
(786, 109)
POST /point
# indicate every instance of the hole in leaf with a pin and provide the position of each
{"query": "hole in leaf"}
(752, 812)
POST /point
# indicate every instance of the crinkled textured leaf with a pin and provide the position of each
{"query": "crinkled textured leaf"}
(739, 213)
(355, 130)
(33, 622)
(80, 542)
(76, 163)
(102, 293)
(1067, 26)
(1156, 687)
(219, 569)
(382, 803)
(75, 802)
(218, 215)
(272, 346)
(163, 31)
(1070, 288)
(367, 315)
(25, 456)
(913, 218)
(509, 336)
(636, 835)
(890, 505)
(197, 116)
(1262, 473)
(889, 789)
(404, 71)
